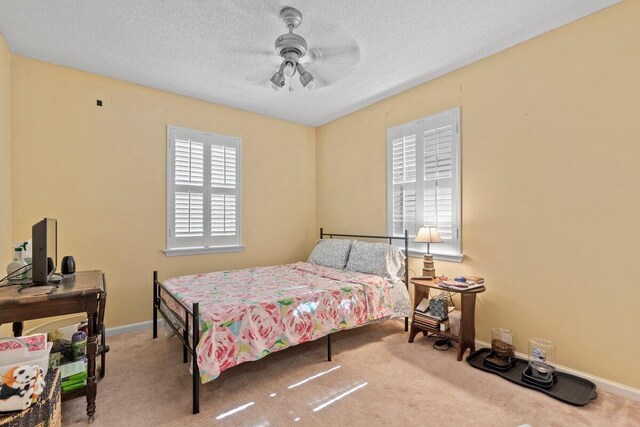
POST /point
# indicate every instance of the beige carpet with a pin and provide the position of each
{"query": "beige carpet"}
(391, 381)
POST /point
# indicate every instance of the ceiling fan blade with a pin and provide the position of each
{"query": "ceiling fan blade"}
(258, 52)
(262, 76)
(320, 79)
(335, 55)
(319, 83)
(336, 49)
(244, 54)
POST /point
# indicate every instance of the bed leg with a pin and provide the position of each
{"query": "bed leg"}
(406, 271)
(329, 347)
(185, 335)
(155, 301)
(194, 358)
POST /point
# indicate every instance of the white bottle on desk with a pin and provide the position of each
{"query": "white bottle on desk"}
(17, 264)
(27, 254)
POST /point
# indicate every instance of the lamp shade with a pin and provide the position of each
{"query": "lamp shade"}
(428, 234)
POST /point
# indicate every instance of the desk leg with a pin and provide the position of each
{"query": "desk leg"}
(92, 349)
(467, 327)
(17, 329)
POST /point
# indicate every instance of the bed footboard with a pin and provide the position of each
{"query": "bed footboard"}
(191, 318)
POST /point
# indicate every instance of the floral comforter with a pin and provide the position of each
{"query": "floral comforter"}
(248, 314)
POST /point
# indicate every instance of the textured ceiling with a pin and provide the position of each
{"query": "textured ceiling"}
(208, 49)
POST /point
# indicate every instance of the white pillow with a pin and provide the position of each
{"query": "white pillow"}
(380, 259)
(332, 253)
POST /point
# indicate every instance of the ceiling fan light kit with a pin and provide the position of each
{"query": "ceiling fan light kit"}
(305, 77)
(291, 47)
(278, 80)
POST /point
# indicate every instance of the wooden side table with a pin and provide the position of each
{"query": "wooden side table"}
(467, 337)
(84, 292)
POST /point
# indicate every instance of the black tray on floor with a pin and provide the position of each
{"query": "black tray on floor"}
(569, 388)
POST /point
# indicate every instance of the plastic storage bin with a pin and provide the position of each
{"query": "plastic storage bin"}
(454, 322)
(21, 356)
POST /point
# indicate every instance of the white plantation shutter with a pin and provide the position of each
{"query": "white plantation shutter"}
(189, 214)
(189, 162)
(223, 215)
(224, 192)
(424, 167)
(438, 134)
(204, 190)
(189, 191)
(223, 166)
(404, 166)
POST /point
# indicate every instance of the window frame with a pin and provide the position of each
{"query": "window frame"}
(209, 138)
(456, 255)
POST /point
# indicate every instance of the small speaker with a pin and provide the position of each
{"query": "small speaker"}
(68, 265)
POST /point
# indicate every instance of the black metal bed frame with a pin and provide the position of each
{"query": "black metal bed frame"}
(193, 312)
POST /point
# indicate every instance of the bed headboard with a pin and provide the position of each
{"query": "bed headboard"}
(389, 238)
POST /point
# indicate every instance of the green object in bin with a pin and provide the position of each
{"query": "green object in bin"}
(67, 385)
(74, 379)
(73, 386)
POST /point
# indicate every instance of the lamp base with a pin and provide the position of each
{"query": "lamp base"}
(428, 270)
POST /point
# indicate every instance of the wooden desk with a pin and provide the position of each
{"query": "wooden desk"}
(84, 292)
(467, 337)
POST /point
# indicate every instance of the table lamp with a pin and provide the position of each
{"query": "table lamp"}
(428, 235)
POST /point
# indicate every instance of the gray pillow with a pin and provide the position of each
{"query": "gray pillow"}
(332, 253)
(380, 259)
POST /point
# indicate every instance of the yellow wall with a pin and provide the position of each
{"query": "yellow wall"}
(5, 156)
(101, 171)
(550, 149)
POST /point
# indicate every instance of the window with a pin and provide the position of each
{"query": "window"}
(204, 196)
(424, 181)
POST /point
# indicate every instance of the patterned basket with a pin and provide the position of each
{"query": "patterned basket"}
(47, 412)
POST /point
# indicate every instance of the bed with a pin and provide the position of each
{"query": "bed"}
(231, 317)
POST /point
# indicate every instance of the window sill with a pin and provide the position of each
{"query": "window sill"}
(440, 257)
(202, 250)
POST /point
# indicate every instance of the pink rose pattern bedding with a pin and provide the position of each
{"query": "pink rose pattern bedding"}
(248, 314)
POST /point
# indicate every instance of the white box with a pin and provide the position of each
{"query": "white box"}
(21, 356)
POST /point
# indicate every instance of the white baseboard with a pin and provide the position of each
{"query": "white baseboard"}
(602, 383)
(132, 327)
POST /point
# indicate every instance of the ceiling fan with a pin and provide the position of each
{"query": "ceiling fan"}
(316, 67)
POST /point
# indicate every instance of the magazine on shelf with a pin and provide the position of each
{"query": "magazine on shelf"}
(458, 286)
(423, 306)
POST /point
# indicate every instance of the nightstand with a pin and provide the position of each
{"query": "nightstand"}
(466, 338)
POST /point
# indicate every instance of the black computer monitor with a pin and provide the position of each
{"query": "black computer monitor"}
(44, 236)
